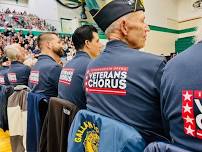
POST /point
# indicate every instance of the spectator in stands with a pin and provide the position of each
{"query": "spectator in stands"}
(1, 52)
(45, 73)
(30, 44)
(123, 82)
(6, 32)
(36, 51)
(18, 73)
(181, 100)
(12, 32)
(7, 11)
(30, 33)
(4, 66)
(88, 46)
(21, 34)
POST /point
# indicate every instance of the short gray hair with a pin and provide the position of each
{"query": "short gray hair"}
(115, 25)
(12, 51)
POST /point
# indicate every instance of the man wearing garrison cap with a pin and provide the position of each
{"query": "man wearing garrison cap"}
(123, 83)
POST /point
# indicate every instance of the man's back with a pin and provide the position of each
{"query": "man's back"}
(44, 76)
(70, 85)
(18, 73)
(3, 73)
(181, 91)
(123, 84)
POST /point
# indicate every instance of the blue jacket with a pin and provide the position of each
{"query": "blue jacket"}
(3, 77)
(5, 92)
(71, 85)
(18, 73)
(34, 120)
(93, 132)
(163, 147)
(123, 84)
(181, 100)
(44, 76)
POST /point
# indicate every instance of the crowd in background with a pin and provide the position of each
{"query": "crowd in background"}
(29, 42)
(14, 19)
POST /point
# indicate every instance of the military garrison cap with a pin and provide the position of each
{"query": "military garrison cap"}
(114, 10)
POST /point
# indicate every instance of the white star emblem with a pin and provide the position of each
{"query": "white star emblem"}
(189, 120)
(199, 94)
(187, 96)
(189, 131)
(187, 108)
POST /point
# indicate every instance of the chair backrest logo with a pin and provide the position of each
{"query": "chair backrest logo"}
(88, 135)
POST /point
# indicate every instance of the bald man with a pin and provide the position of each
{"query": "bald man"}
(45, 73)
(18, 73)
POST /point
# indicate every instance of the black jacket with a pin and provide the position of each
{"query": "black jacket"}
(56, 125)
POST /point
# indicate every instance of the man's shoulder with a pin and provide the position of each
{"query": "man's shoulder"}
(3, 68)
(133, 53)
(78, 63)
(25, 67)
(46, 63)
(81, 59)
(42, 66)
(4, 71)
(192, 54)
(151, 56)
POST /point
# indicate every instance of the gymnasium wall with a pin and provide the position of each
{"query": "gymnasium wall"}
(179, 21)
(186, 11)
(69, 19)
(188, 16)
(161, 15)
(4, 4)
(189, 19)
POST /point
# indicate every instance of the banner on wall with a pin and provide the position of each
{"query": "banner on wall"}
(69, 25)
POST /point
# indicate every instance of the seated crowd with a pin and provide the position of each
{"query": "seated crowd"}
(116, 88)
(14, 19)
(29, 42)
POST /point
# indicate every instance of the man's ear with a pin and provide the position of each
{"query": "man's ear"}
(87, 43)
(17, 56)
(48, 44)
(124, 28)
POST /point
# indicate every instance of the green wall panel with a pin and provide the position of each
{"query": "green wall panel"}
(182, 44)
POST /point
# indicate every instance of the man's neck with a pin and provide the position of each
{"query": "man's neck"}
(51, 54)
(116, 36)
(19, 61)
(87, 51)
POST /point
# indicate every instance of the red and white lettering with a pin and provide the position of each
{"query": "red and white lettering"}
(66, 76)
(34, 77)
(2, 81)
(192, 117)
(12, 77)
(106, 80)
